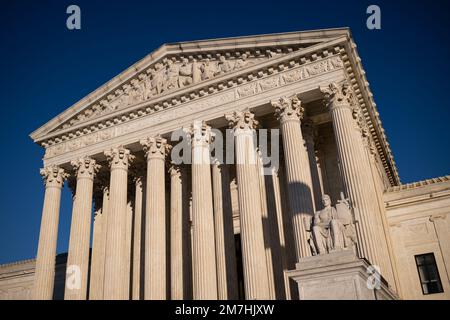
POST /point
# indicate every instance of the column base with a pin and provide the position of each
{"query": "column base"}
(339, 275)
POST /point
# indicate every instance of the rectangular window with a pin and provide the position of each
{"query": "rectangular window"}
(428, 273)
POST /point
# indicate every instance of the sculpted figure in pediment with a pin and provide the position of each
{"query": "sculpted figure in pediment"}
(241, 62)
(185, 73)
(208, 70)
(172, 74)
(137, 95)
(126, 98)
(158, 78)
(196, 72)
(146, 86)
(224, 66)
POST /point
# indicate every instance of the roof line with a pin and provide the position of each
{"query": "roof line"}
(259, 35)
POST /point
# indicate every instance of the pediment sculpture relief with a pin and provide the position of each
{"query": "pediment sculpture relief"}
(332, 228)
(168, 75)
(110, 128)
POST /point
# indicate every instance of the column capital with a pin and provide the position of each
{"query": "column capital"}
(199, 133)
(86, 168)
(155, 147)
(288, 108)
(119, 158)
(242, 120)
(53, 176)
(337, 95)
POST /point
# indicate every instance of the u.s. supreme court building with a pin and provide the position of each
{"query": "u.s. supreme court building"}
(241, 168)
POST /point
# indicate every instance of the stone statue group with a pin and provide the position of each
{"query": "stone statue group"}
(332, 228)
(169, 76)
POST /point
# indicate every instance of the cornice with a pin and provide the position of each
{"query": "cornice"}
(364, 96)
(419, 184)
(417, 192)
(17, 263)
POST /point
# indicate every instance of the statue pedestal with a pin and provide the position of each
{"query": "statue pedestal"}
(337, 276)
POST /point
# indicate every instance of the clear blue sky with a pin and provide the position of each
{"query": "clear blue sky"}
(45, 68)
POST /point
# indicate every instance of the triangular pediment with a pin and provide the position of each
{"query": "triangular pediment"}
(178, 66)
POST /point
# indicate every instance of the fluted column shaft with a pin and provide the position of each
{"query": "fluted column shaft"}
(137, 239)
(45, 261)
(97, 275)
(128, 248)
(355, 176)
(223, 225)
(116, 279)
(80, 231)
(176, 236)
(267, 226)
(278, 232)
(155, 221)
(179, 234)
(253, 252)
(298, 173)
(204, 275)
(94, 278)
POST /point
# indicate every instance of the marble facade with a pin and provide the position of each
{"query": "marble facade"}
(213, 230)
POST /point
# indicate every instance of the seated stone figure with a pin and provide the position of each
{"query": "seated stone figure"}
(332, 228)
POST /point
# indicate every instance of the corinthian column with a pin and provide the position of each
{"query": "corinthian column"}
(223, 220)
(80, 230)
(298, 174)
(253, 252)
(156, 149)
(116, 280)
(45, 261)
(203, 248)
(355, 172)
